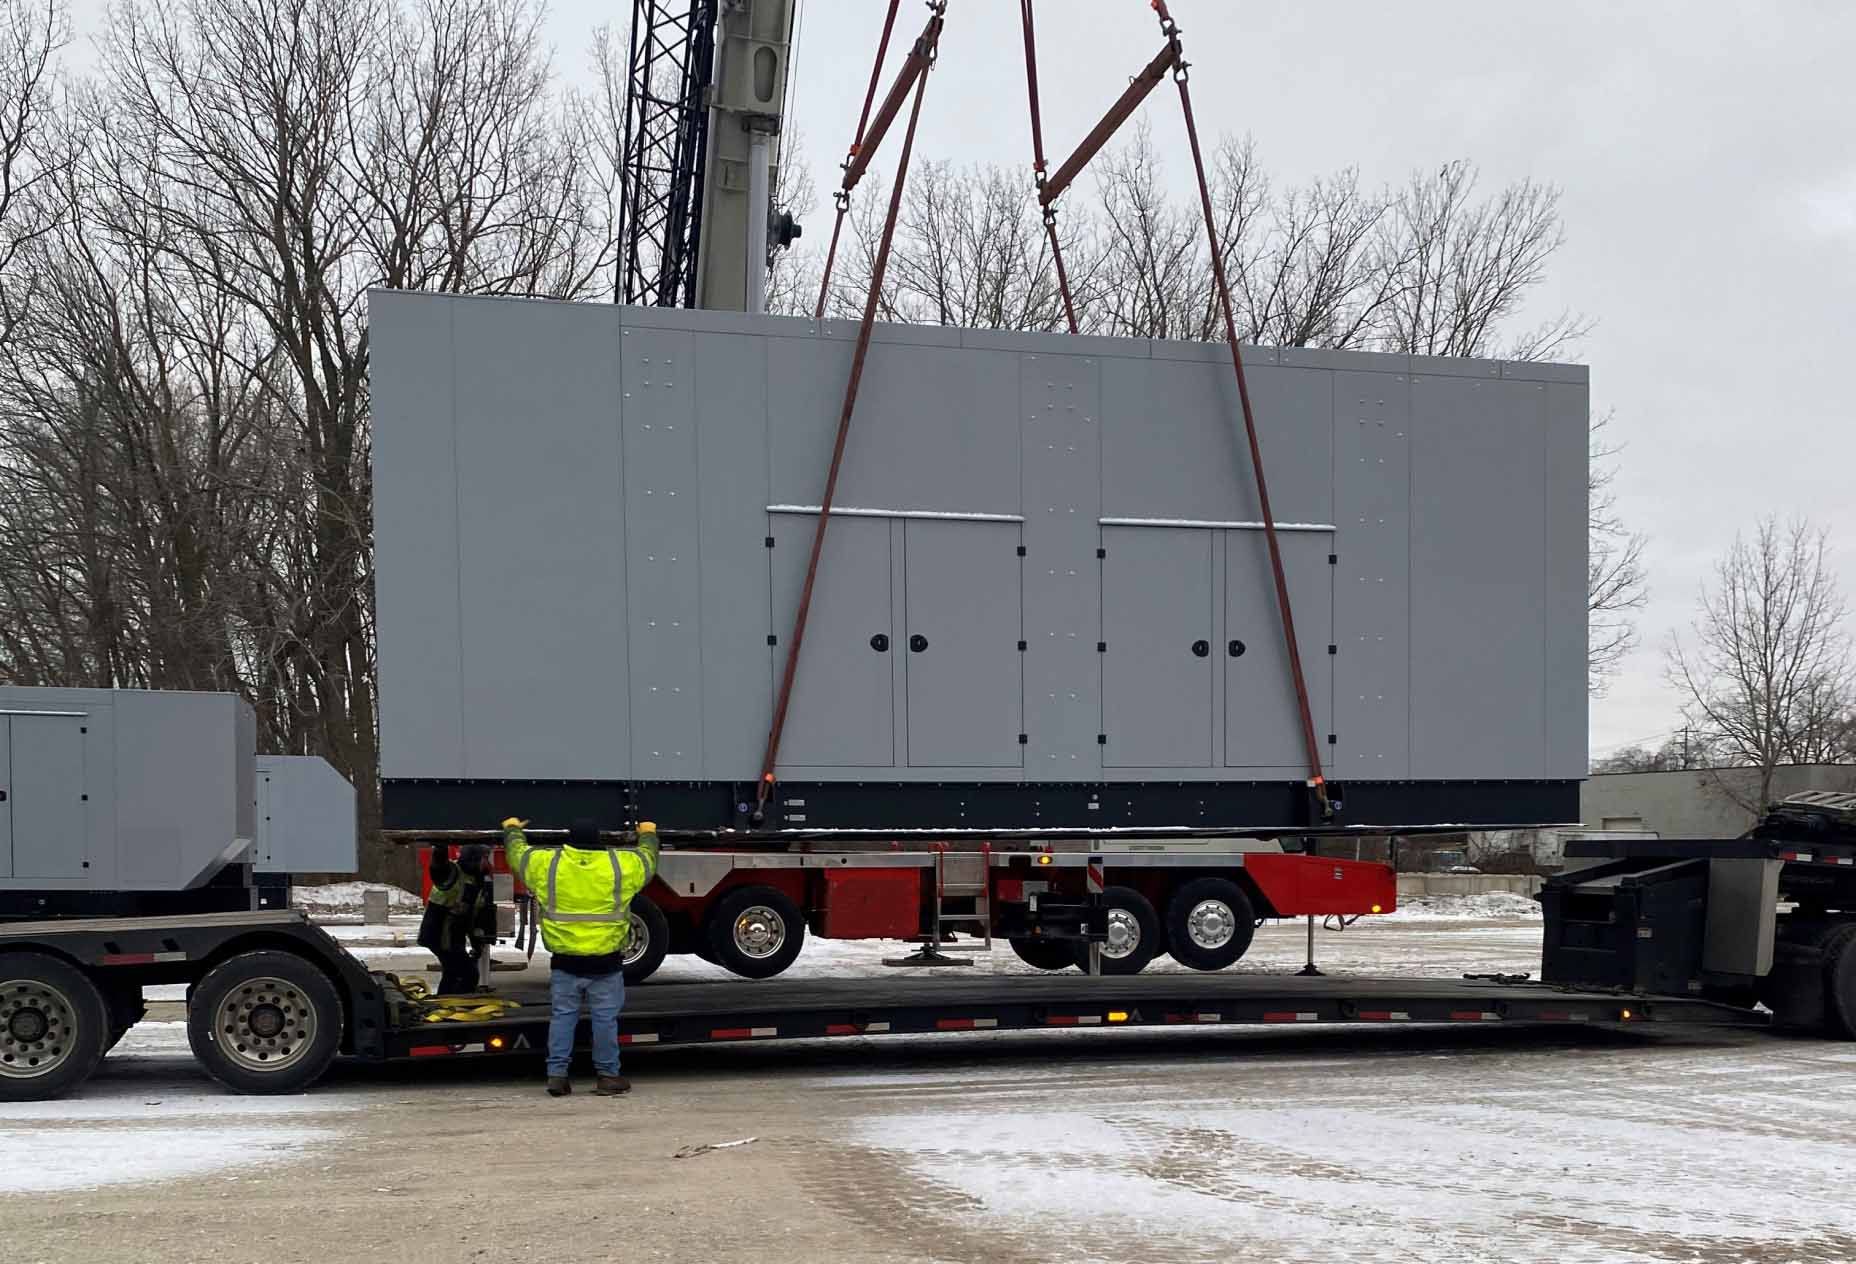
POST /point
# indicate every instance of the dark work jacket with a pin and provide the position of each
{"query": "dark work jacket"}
(460, 902)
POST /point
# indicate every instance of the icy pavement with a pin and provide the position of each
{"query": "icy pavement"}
(1418, 1146)
(163, 1122)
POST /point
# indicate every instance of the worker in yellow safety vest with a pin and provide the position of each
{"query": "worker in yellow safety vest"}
(585, 890)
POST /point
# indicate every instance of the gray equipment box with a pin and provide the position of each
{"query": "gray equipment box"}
(1044, 599)
(305, 817)
(122, 790)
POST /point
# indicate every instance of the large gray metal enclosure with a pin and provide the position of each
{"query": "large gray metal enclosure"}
(1045, 597)
(123, 790)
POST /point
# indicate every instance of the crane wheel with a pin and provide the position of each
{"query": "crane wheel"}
(1044, 954)
(1134, 934)
(755, 932)
(265, 1022)
(53, 1026)
(1209, 923)
(648, 940)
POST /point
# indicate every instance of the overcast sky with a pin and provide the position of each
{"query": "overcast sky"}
(1707, 157)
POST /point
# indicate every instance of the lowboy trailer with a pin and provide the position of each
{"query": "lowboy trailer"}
(273, 1000)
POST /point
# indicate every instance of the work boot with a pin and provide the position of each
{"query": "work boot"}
(611, 1086)
(559, 1086)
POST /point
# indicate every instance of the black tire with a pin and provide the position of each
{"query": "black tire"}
(1128, 910)
(771, 932)
(1209, 923)
(650, 940)
(1045, 954)
(265, 1022)
(1840, 983)
(53, 1027)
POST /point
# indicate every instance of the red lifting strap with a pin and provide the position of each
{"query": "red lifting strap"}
(915, 72)
(1316, 780)
(1037, 161)
(869, 138)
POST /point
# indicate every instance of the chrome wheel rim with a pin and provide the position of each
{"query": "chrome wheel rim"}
(38, 1029)
(1211, 924)
(759, 931)
(1124, 934)
(637, 940)
(265, 1025)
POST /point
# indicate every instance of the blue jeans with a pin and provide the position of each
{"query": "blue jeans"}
(605, 997)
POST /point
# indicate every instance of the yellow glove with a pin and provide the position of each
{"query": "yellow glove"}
(647, 827)
(510, 822)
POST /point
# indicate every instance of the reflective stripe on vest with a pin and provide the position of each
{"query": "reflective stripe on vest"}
(550, 911)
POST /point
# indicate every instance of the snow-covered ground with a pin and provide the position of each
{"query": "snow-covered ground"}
(1491, 906)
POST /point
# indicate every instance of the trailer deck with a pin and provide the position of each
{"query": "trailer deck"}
(731, 1011)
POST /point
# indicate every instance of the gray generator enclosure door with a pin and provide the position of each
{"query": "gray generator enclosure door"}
(1044, 599)
(1262, 719)
(6, 798)
(50, 832)
(843, 708)
(963, 624)
(1157, 629)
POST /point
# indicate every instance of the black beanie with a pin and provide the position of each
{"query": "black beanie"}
(584, 834)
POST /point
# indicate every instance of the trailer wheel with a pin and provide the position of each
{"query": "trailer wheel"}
(53, 1024)
(1840, 982)
(1133, 934)
(1209, 923)
(755, 932)
(1045, 954)
(648, 941)
(265, 1022)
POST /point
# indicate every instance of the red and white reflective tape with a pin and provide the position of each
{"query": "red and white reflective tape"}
(139, 958)
(637, 1037)
(1474, 1016)
(1565, 1015)
(1813, 856)
(1795, 855)
(1098, 881)
(965, 1024)
(743, 1033)
(1291, 1016)
(1385, 1016)
(1073, 1020)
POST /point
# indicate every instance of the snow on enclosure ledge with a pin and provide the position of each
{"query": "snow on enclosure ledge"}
(346, 897)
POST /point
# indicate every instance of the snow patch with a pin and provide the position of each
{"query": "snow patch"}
(49, 1160)
(1488, 906)
(346, 897)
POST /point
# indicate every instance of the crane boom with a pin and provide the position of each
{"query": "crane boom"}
(753, 45)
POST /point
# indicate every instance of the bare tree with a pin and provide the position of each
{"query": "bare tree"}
(32, 33)
(970, 250)
(185, 493)
(1616, 582)
(1466, 266)
(1766, 673)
